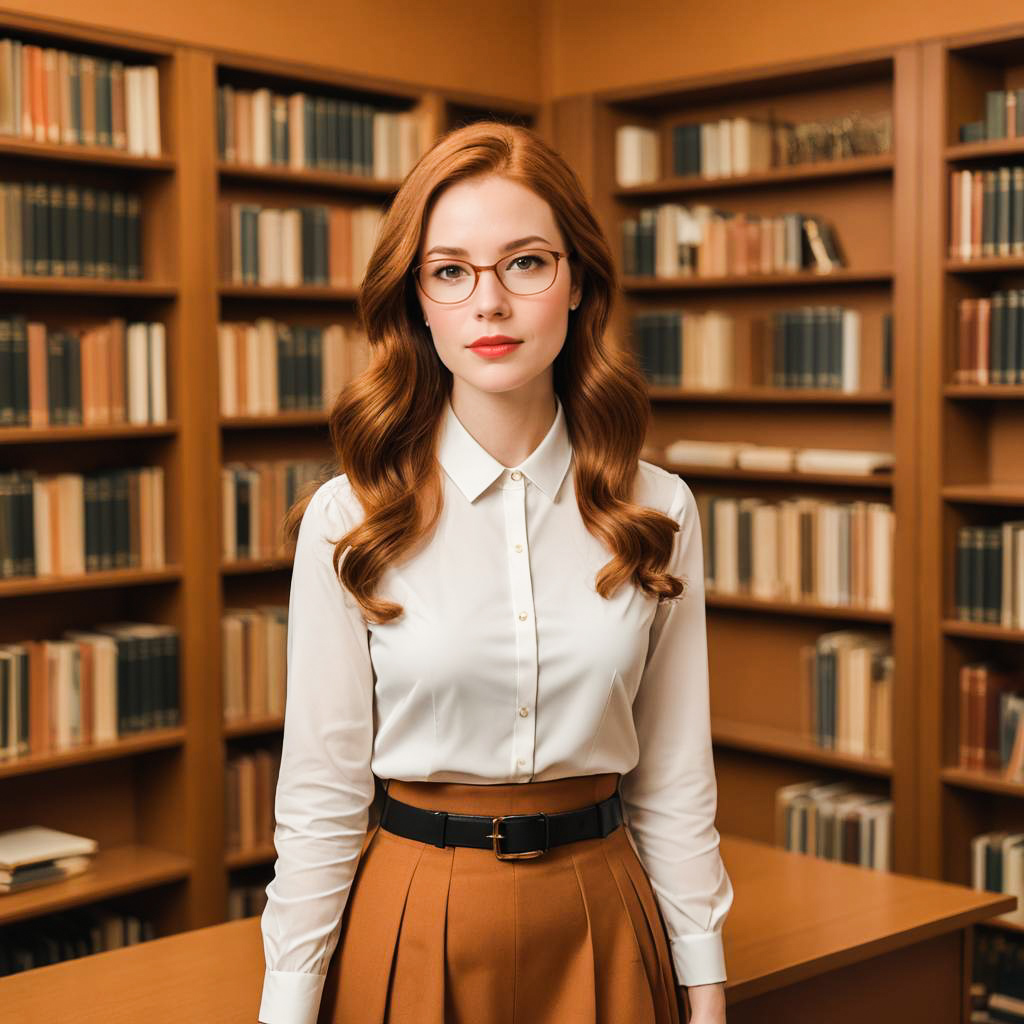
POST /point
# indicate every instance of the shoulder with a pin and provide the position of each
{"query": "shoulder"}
(334, 506)
(667, 492)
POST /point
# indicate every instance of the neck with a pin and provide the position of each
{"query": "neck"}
(508, 425)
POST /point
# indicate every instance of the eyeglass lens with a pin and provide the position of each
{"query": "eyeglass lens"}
(524, 273)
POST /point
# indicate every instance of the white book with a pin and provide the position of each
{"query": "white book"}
(138, 373)
(252, 367)
(227, 367)
(269, 239)
(41, 516)
(725, 147)
(260, 108)
(766, 457)
(726, 519)
(1013, 876)
(834, 460)
(704, 453)
(157, 372)
(296, 131)
(851, 351)
(710, 164)
(151, 105)
(764, 583)
(32, 844)
(741, 132)
(966, 215)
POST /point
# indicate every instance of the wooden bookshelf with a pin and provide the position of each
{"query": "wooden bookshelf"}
(970, 470)
(148, 798)
(297, 434)
(130, 795)
(754, 644)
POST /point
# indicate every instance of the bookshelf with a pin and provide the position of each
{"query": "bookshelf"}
(148, 798)
(126, 793)
(971, 473)
(754, 643)
(293, 433)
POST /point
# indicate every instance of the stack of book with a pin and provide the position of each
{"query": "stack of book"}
(846, 682)
(672, 240)
(832, 821)
(34, 856)
(255, 497)
(799, 550)
(987, 212)
(250, 783)
(774, 458)
(990, 347)
(68, 523)
(1004, 117)
(990, 574)
(78, 99)
(108, 372)
(307, 245)
(89, 687)
(254, 661)
(268, 367)
(997, 865)
(262, 128)
(991, 713)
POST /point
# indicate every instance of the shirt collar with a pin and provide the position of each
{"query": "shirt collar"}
(473, 469)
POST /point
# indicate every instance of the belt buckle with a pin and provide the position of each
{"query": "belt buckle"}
(497, 837)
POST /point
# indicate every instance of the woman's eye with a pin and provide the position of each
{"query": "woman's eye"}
(440, 272)
(521, 259)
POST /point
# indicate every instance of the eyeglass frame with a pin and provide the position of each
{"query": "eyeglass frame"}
(414, 273)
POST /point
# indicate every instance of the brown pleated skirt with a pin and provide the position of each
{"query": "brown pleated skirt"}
(456, 936)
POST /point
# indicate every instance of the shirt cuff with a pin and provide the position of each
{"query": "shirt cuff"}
(699, 959)
(290, 997)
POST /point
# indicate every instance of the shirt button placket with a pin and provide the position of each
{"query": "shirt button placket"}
(523, 736)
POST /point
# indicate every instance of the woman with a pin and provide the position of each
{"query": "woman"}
(496, 610)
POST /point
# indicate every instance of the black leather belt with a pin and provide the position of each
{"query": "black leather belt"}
(510, 836)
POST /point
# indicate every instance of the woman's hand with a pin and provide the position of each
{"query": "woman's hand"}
(706, 1003)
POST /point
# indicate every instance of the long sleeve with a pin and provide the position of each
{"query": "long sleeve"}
(670, 796)
(325, 786)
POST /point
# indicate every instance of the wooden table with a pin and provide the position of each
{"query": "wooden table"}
(807, 940)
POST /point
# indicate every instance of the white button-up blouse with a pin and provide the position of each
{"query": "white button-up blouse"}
(507, 666)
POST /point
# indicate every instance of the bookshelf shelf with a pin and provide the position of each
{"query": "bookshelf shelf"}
(966, 151)
(275, 175)
(247, 858)
(739, 282)
(106, 432)
(158, 739)
(774, 742)
(984, 392)
(88, 286)
(22, 586)
(254, 565)
(299, 418)
(771, 396)
(985, 494)
(985, 264)
(822, 171)
(100, 156)
(987, 781)
(115, 871)
(739, 602)
(981, 631)
(297, 293)
(253, 726)
(881, 481)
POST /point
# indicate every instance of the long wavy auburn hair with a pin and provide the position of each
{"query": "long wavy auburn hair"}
(385, 422)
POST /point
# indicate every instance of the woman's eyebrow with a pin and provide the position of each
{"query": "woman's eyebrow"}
(446, 250)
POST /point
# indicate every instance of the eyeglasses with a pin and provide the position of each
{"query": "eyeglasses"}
(528, 272)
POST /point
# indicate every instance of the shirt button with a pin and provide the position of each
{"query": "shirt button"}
(521, 761)
(519, 547)
(517, 475)
(522, 616)
(524, 712)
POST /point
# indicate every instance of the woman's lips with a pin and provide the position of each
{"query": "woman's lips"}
(495, 351)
